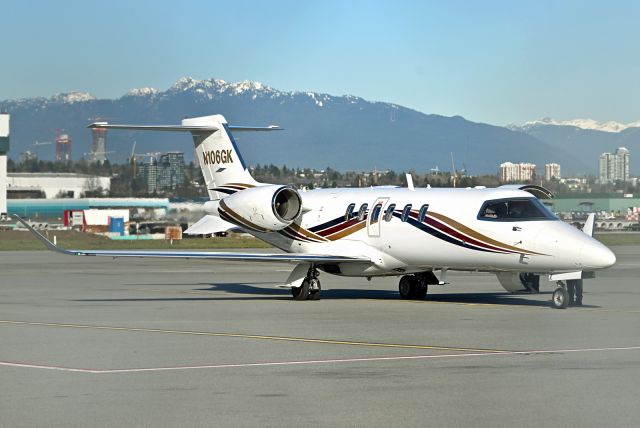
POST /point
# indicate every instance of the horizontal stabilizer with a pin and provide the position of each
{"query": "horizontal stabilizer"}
(191, 128)
(184, 128)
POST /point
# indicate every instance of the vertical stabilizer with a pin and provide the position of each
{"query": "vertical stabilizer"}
(218, 155)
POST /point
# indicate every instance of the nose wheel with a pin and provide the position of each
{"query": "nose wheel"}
(560, 298)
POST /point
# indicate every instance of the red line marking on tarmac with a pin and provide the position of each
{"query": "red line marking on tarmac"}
(305, 362)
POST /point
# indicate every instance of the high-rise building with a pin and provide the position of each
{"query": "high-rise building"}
(551, 170)
(614, 166)
(148, 171)
(63, 148)
(517, 172)
(4, 148)
(99, 145)
(163, 173)
(170, 170)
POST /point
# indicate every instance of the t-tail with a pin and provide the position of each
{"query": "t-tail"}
(223, 168)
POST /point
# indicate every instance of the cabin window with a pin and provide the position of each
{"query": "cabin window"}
(516, 209)
(349, 213)
(375, 213)
(423, 212)
(405, 212)
(362, 211)
(388, 215)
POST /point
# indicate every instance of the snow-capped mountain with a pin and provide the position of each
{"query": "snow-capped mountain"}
(590, 124)
(586, 138)
(142, 92)
(343, 132)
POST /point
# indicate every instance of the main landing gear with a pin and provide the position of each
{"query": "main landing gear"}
(414, 287)
(310, 287)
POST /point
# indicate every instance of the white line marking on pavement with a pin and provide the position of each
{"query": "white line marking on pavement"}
(305, 362)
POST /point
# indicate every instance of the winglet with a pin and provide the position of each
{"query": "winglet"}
(589, 225)
(410, 181)
(50, 245)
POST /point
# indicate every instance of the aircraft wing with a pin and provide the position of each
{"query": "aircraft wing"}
(212, 255)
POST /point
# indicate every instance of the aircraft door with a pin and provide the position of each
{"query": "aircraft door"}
(376, 217)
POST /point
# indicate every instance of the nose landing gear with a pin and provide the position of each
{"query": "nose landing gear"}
(560, 298)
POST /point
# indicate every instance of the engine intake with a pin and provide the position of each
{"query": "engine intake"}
(263, 208)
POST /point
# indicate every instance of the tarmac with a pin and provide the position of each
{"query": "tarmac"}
(88, 341)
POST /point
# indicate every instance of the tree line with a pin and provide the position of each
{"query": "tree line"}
(125, 183)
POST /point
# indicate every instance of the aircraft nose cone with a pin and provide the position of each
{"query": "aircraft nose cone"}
(597, 256)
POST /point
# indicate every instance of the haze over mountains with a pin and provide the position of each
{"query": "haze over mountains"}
(343, 132)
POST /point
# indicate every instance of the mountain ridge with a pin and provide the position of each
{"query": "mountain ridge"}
(586, 124)
(343, 132)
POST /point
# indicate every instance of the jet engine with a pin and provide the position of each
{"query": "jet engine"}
(519, 282)
(262, 208)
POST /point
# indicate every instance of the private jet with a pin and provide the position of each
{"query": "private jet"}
(416, 234)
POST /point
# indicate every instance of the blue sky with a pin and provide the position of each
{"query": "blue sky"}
(490, 61)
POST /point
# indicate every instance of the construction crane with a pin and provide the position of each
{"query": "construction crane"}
(454, 173)
(84, 155)
(40, 143)
(132, 160)
(31, 154)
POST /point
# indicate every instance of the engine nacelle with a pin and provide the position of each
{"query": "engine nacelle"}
(519, 282)
(262, 208)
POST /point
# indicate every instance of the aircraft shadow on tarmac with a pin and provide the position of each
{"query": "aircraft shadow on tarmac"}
(265, 291)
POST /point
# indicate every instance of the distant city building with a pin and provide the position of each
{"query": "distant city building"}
(99, 145)
(575, 184)
(517, 172)
(28, 156)
(551, 170)
(164, 173)
(63, 148)
(148, 172)
(614, 166)
(170, 171)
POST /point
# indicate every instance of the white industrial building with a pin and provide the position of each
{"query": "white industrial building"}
(55, 184)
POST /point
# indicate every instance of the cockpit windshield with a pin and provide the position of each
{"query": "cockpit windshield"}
(516, 209)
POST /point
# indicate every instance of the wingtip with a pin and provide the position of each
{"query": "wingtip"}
(50, 245)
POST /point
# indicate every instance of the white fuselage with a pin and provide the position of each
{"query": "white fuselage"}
(451, 235)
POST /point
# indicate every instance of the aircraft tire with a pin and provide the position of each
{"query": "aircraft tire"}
(408, 286)
(421, 291)
(560, 298)
(315, 294)
(302, 292)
